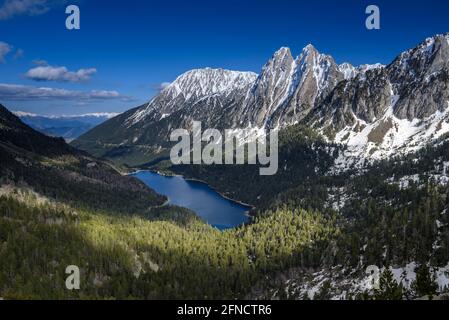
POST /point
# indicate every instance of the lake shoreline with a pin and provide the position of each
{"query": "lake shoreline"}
(248, 206)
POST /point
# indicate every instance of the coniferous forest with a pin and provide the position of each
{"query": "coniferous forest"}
(61, 207)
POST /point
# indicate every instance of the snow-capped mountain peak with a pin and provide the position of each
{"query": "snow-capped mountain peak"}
(429, 57)
(308, 49)
(348, 70)
(204, 82)
(376, 110)
(282, 53)
(323, 66)
(191, 87)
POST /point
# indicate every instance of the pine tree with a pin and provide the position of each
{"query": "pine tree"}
(425, 284)
(389, 289)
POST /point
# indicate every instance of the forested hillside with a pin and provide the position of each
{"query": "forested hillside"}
(61, 207)
(52, 168)
(314, 232)
(392, 214)
(304, 157)
(134, 258)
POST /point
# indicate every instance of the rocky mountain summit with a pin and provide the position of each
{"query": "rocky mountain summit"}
(374, 110)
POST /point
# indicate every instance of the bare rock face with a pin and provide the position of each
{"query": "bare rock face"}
(288, 88)
(420, 77)
(284, 93)
(366, 97)
(425, 99)
(316, 76)
(271, 88)
(366, 104)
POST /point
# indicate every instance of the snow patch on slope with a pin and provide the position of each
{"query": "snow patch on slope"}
(350, 72)
(401, 137)
(345, 284)
(205, 82)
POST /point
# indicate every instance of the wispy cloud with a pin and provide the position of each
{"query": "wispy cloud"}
(12, 8)
(15, 92)
(19, 54)
(104, 94)
(40, 62)
(60, 74)
(5, 48)
(159, 87)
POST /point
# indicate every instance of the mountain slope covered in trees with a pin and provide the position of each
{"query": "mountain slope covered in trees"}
(52, 168)
(313, 239)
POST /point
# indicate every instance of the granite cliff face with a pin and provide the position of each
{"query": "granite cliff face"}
(420, 79)
(288, 88)
(374, 110)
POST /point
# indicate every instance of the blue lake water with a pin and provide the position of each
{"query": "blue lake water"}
(209, 205)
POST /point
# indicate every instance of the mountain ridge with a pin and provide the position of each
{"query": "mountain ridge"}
(68, 127)
(366, 108)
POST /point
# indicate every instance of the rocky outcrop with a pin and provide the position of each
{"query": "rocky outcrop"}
(395, 104)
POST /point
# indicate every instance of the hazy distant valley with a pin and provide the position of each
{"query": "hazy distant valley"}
(67, 127)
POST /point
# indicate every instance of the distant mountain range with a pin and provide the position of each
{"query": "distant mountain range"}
(374, 110)
(67, 127)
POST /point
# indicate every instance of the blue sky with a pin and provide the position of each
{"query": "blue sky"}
(126, 49)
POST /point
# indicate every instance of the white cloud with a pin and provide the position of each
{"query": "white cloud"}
(62, 74)
(12, 8)
(4, 50)
(15, 92)
(103, 94)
